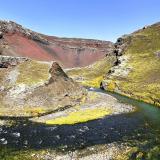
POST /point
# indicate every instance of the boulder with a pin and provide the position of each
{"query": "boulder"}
(118, 52)
(57, 72)
(157, 54)
(1, 35)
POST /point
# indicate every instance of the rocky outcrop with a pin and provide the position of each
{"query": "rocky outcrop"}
(6, 61)
(69, 52)
(35, 87)
(56, 72)
(1, 35)
(157, 54)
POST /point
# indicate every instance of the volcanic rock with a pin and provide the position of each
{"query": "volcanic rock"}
(69, 52)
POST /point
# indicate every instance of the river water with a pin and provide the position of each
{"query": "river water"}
(149, 112)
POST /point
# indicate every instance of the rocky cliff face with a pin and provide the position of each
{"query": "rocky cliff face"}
(136, 72)
(16, 40)
(30, 87)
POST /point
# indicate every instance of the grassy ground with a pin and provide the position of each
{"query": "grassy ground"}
(33, 72)
(93, 74)
(80, 116)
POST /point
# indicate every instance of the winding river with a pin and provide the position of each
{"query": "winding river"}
(149, 112)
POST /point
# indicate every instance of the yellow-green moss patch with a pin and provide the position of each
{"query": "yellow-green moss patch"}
(34, 111)
(95, 82)
(92, 75)
(92, 96)
(111, 86)
(33, 72)
(80, 116)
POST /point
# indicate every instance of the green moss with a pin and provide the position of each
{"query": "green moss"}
(154, 153)
(34, 111)
(10, 154)
(80, 116)
(95, 82)
(111, 86)
(33, 72)
(143, 82)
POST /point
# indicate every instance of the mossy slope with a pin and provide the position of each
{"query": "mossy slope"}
(93, 74)
(33, 72)
(143, 80)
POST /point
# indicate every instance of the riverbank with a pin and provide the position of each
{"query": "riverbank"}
(94, 103)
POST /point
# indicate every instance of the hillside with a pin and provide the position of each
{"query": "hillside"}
(133, 69)
(15, 40)
(137, 73)
(29, 87)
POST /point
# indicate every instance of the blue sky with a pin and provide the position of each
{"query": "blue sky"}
(98, 19)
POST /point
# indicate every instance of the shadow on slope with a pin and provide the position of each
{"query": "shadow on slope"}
(115, 128)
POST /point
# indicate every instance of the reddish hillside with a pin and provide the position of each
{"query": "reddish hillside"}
(70, 52)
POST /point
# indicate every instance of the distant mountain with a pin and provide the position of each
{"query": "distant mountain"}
(16, 40)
